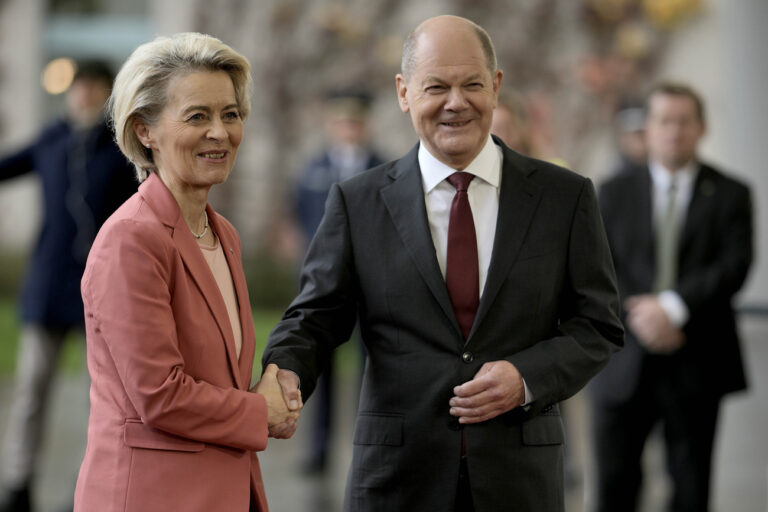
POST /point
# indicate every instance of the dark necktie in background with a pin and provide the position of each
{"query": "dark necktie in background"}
(461, 272)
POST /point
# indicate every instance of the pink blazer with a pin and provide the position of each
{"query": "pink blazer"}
(172, 424)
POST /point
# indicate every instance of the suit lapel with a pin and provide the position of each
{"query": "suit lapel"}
(164, 204)
(642, 222)
(230, 246)
(404, 199)
(702, 195)
(518, 200)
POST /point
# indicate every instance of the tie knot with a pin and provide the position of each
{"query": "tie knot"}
(460, 180)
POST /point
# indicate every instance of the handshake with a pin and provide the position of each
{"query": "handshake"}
(280, 388)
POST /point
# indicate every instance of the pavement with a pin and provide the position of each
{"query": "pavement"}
(739, 482)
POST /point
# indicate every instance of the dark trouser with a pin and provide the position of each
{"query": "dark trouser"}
(463, 490)
(620, 434)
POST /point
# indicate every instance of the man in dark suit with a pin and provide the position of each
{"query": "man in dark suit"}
(84, 178)
(681, 237)
(485, 293)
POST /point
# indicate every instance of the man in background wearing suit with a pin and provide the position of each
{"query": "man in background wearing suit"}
(84, 178)
(485, 293)
(681, 237)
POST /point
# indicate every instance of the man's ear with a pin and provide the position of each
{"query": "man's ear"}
(402, 89)
(497, 77)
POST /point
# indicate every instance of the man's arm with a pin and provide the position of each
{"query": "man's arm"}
(589, 325)
(726, 274)
(17, 164)
(323, 315)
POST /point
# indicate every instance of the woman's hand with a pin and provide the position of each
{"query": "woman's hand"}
(281, 419)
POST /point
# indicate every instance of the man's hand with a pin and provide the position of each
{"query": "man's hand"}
(650, 324)
(280, 389)
(496, 389)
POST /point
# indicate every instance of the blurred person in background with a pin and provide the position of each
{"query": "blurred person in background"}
(84, 178)
(346, 113)
(629, 131)
(680, 233)
(484, 291)
(510, 122)
(169, 329)
(529, 137)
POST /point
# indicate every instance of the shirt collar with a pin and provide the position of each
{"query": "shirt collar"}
(662, 176)
(486, 166)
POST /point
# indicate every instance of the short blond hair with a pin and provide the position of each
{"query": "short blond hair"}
(140, 90)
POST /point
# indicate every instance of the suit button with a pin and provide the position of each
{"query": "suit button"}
(467, 357)
(454, 424)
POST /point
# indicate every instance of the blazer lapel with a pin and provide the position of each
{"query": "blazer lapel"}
(232, 253)
(404, 199)
(518, 200)
(164, 204)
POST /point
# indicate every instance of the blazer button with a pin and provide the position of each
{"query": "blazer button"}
(467, 357)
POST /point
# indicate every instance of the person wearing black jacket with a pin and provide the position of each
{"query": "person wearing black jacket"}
(680, 232)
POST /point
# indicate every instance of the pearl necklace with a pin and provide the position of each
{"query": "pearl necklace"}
(205, 229)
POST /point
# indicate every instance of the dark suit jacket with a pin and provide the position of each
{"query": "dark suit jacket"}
(84, 178)
(715, 254)
(549, 307)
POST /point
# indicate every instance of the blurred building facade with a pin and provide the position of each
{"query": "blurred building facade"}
(574, 61)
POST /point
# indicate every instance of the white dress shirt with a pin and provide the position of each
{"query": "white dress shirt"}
(483, 196)
(684, 180)
(483, 193)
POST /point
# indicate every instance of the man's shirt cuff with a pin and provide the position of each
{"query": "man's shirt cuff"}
(674, 306)
(528, 394)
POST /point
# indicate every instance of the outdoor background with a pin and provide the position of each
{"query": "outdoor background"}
(573, 61)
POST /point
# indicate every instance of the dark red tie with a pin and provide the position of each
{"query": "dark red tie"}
(461, 274)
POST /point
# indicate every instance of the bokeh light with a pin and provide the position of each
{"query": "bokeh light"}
(58, 75)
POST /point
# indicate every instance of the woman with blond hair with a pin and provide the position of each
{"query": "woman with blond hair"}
(170, 338)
